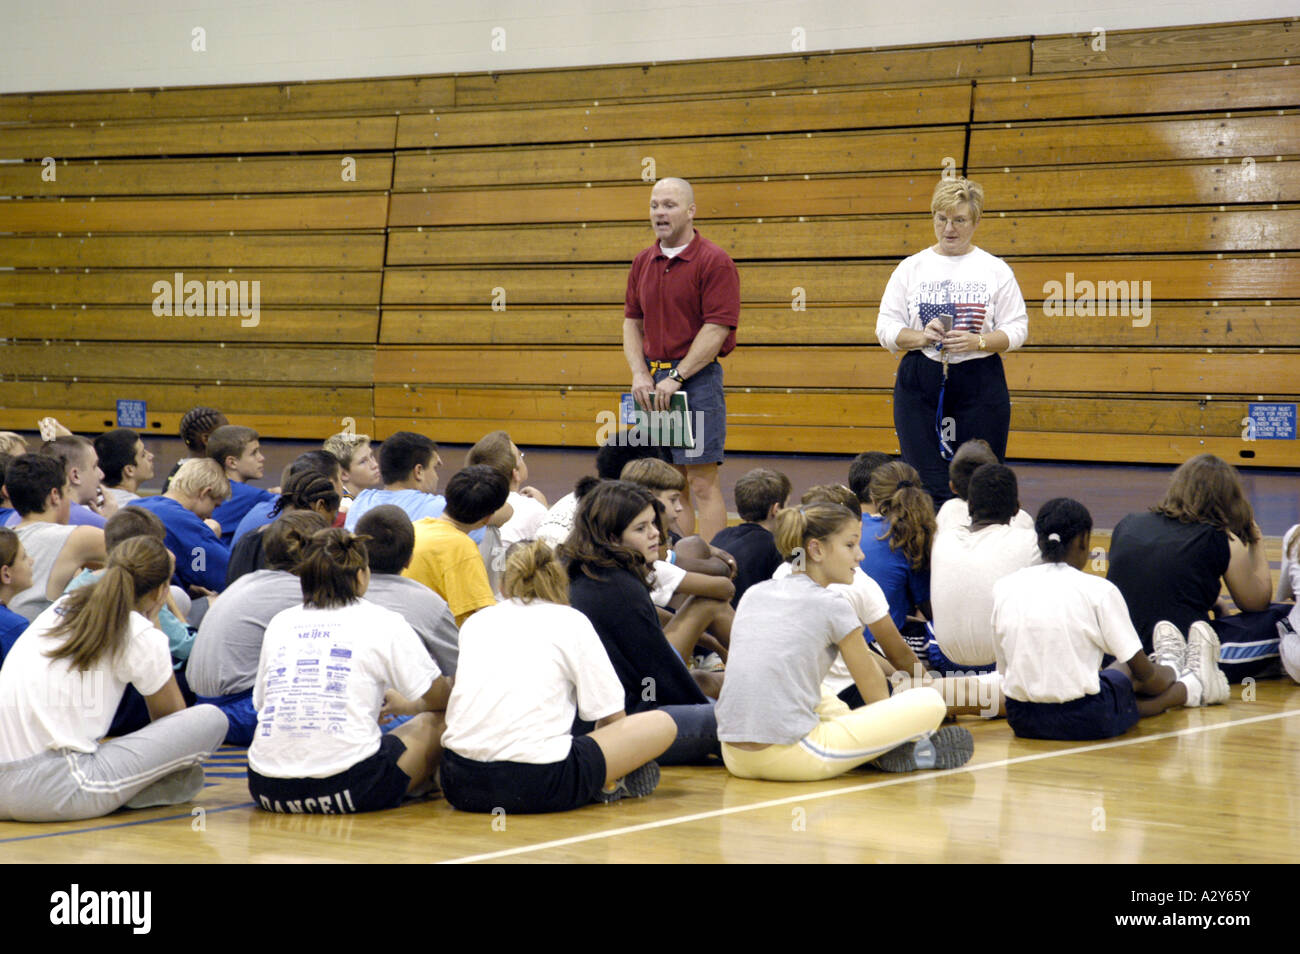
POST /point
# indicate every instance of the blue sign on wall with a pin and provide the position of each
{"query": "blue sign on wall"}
(131, 414)
(1272, 422)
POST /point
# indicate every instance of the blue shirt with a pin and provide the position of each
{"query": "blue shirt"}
(11, 627)
(904, 587)
(8, 516)
(200, 557)
(259, 515)
(242, 499)
(82, 516)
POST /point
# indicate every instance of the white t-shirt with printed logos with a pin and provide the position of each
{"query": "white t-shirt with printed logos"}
(47, 705)
(964, 565)
(320, 685)
(524, 669)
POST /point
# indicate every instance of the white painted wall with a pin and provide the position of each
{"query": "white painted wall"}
(110, 44)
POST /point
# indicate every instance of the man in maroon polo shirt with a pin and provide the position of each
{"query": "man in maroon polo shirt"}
(680, 316)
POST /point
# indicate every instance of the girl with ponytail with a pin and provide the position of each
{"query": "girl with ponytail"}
(898, 529)
(775, 720)
(330, 669)
(1052, 625)
(223, 660)
(62, 682)
(527, 667)
(309, 488)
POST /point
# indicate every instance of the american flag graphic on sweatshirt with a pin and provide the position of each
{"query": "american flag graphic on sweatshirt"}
(965, 301)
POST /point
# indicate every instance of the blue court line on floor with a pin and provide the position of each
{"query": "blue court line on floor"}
(132, 824)
(226, 774)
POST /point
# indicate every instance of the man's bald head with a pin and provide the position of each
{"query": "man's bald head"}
(672, 212)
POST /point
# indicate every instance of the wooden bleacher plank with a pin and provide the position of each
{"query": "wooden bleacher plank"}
(1137, 94)
(1158, 372)
(99, 397)
(126, 323)
(378, 94)
(1184, 183)
(1179, 46)
(135, 286)
(296, 427)
(1258, 137)
(201, 138)
(286, 250)
(947, 62)
(808, 154)
(1167, 230)
(229, 213)
(819, 408)
(1172, 279)
(1172, 325)
(256, 174)
(779, 197)
(242, 362)
(677, 118)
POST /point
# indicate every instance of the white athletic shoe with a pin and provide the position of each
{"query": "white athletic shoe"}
(1170, 647)
(1203, 660)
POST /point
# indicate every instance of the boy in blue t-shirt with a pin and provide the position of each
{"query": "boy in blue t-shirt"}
(194, 494)
(236, 449)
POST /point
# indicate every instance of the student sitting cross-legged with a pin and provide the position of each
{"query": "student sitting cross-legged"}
(239, 453)
(408, 464)
(1053, 623)
(307, 489)
(223, 660)
(40, 492)
(263, 512)
(62, 682)
(324, 669)
(527, 667)
(774, 719)
(196, 424)
(81, 464)
(955, 512)
(609, 556)
(195, 492)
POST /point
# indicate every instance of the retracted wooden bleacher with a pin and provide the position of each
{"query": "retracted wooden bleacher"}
(500, 213)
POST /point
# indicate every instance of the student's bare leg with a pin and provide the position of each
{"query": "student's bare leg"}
(704, 482)
(422, 736)
(633, 741)
(710, 683)
(1161, 692)
(690, 622)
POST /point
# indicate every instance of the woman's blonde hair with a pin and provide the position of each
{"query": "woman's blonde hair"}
(534, 573)
(950, 193)
(795, 526)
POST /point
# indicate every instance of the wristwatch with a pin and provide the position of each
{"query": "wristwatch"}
(981, 342)
(675, 375)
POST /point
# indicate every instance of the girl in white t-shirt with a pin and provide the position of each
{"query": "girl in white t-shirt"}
(775, 721)
(1052, 624)
(62, 682)
(322, 682)
(526, 666)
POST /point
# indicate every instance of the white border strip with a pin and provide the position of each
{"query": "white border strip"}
(883, 783)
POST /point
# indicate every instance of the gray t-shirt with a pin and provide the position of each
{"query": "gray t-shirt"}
(424, 610)
(783, 642)
(224, 658)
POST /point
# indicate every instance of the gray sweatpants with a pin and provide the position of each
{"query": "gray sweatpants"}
(158, 765)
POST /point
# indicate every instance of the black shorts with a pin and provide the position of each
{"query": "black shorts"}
(371, 785)
(1109, 712)
(523, 788)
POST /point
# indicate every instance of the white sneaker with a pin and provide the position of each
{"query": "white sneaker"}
(1170, 649)
(1203, 660)
(711, 662)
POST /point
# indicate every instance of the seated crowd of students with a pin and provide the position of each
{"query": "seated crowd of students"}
(371, 639)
